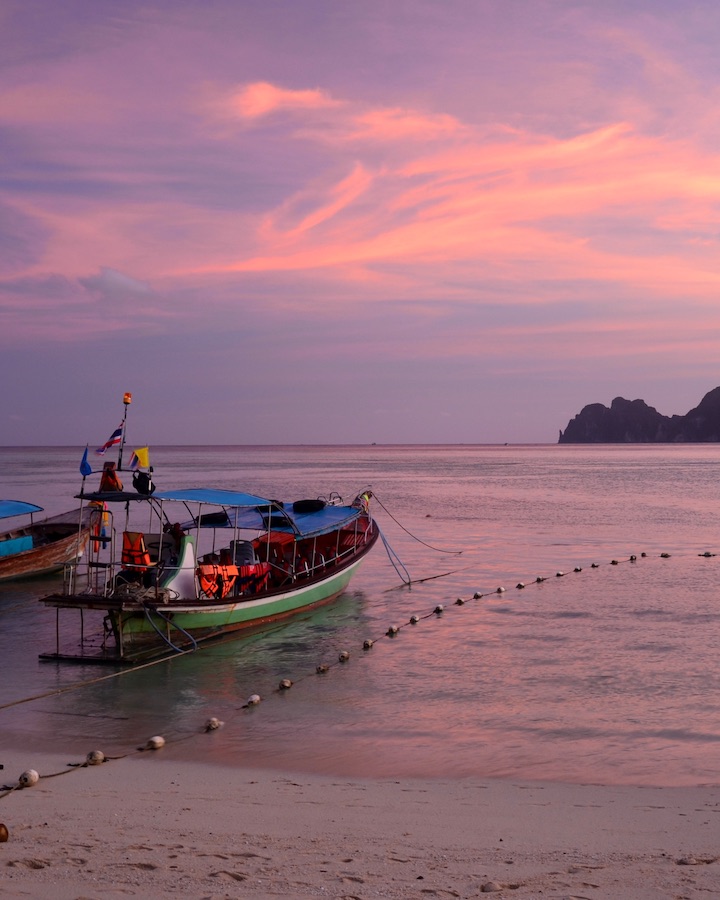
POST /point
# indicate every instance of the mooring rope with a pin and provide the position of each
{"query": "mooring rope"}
(78, 685)
(395, 560)
(410, 534)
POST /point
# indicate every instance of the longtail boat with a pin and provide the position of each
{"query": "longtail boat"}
(35, 548)
(168, 570)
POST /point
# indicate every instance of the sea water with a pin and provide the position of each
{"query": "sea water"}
(603, 668)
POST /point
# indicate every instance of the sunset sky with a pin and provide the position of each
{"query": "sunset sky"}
(330, 221)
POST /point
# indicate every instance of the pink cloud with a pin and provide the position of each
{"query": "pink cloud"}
(532, 202)
(402, 125)
(279, 225)
(262, 99)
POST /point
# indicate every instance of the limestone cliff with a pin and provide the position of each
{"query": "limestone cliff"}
(634, 422)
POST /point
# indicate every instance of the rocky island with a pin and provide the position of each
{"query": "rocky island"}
(634, 422)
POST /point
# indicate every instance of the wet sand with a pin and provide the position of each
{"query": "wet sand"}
(148, 826)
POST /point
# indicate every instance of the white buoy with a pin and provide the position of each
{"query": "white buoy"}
(322, 668)
(459, 601)
(28, 778)
(438, 609)
(213, 724)
(344, 656)
(95, 757)
(253, 699)
(155, 743)
(392, 631)
(414, 620)
(577, 569)
(520, 585)
(559, 574)
(477, 595)
(367, 644)
(285, 684)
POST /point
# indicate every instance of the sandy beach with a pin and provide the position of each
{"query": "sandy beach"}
(148, 826)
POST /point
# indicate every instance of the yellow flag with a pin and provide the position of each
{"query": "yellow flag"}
(140, 458)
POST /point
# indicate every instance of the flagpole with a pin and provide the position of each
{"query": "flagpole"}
(127, 400)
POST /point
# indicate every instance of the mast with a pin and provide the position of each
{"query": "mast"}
(127, 400)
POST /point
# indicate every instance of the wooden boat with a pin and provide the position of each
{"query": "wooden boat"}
(161, 582)
(39, 548)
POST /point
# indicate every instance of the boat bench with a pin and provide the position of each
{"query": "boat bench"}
(16, 545)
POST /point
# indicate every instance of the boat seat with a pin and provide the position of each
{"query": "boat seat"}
(242, 553)
(11, 546)
(160, 547)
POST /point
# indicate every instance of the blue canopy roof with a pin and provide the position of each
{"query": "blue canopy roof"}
(240, 510)
(258, 513)
(304, 524)
(213, 496)
(17, 508)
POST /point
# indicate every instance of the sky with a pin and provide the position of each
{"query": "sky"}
(333, 222)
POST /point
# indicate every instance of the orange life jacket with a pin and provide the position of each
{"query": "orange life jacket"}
(110, 480)
(216, 581)
(134, 552)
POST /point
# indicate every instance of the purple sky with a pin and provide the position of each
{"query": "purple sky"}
(329, 221)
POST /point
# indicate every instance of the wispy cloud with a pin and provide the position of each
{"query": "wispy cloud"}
(592, 206)
(545, 197)
(255, 101)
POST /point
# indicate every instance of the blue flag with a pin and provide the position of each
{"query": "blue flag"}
(85, 469)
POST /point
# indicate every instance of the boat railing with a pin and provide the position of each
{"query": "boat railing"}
(307, 560)
(91, 572)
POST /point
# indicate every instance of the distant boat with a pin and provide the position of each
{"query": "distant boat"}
(38, 548)
(239, 562)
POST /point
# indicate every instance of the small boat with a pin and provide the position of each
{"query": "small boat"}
(40, 547)
(169, 570)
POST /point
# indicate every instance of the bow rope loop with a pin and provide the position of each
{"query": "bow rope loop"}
(414, 537)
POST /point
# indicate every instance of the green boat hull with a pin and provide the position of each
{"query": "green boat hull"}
(175, 619)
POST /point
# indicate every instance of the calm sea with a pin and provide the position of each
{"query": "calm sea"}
(608, 675)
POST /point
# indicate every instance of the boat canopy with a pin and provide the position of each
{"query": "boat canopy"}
(10, 508)
(302, 524)
(236, 509)
(246, 511)
(211, 496)
(214, 497)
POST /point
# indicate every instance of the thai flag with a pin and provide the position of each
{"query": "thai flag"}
(114, 439)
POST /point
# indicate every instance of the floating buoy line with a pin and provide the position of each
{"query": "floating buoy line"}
(31, 777)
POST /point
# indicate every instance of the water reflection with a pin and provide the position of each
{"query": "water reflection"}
(608, 674)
